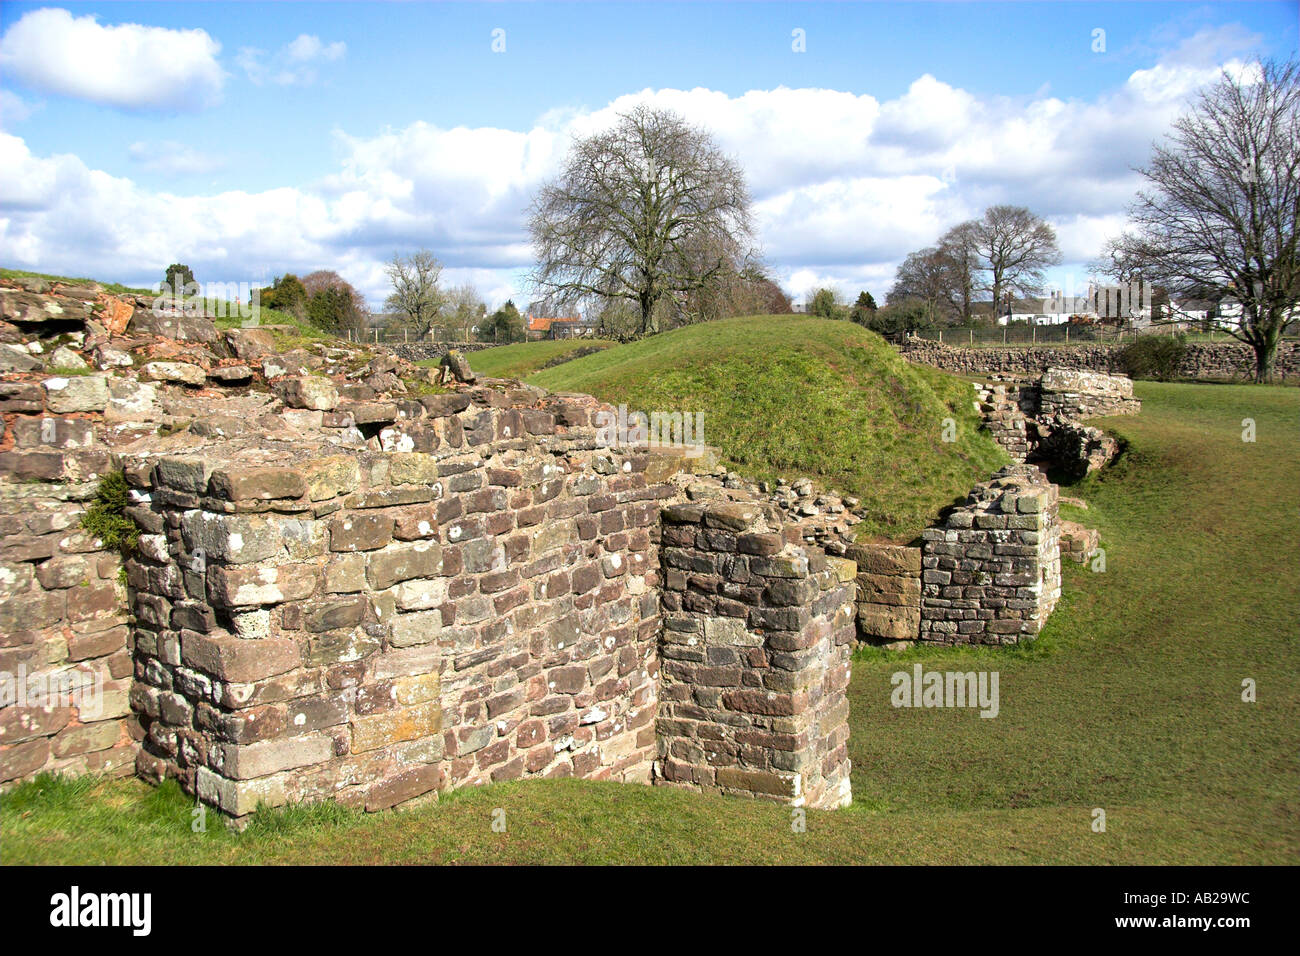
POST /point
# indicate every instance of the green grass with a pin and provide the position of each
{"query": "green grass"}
(524, 358)
(113, 288)
(1130, 702)
(790, 396)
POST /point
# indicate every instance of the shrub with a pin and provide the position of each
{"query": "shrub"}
(106, 516)
(1155, 356)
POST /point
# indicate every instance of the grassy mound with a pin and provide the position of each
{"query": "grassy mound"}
(524, 358)
(785, 396)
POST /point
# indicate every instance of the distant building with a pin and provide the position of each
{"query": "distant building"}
(559, 327)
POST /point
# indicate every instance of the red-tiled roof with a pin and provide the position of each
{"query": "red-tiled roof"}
(538, 323)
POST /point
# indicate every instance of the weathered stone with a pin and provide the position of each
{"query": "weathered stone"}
(78, 393)
(264, 482)
(360, 532)
(233, 659)
(380, 730)
(233, 539)
(179, 373)
(420, 559)
(311, 392)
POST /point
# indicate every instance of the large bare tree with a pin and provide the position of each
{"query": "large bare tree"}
(416, 295)
(1218, 218)
(632, 210)
(1013, 247)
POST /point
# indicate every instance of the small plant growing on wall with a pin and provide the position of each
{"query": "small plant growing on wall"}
(106, 516)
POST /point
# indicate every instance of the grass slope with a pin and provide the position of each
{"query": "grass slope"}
(1130, 701)
(784, 396)
(524, 358)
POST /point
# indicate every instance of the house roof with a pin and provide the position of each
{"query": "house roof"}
(542, 323)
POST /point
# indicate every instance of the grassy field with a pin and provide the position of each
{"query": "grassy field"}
(786, 396)
(524, 358)
(1130, 702)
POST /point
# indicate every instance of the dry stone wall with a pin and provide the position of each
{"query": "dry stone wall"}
(1208, 360)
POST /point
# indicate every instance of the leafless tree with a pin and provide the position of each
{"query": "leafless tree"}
(926, 276)
(958, 246)
(415, 289)
(1014, 247)
(633, 208)
(1218, 218)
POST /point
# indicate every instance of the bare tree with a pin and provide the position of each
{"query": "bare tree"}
(415, 289)
(1219, 217)
(463, 308)
(632, 209)
(1014, 247)
(926, 276)
(958, 246)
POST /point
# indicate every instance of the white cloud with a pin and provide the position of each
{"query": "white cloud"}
(845, 185)
(294, 64)
(128, 66)
(14, 109)
(171, 158)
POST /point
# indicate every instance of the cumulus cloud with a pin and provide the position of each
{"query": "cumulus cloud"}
(170, 158)
(294, 64)
(128, 66)
(845, 185)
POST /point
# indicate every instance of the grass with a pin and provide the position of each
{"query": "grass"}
(789, 396)
(113, 288)
(1130, 702)
(524, 358)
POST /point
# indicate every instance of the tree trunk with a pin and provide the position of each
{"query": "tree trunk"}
(1265, 355)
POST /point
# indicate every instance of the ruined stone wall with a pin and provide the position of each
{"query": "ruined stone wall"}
(65, 663)
(423, 351)
(758, 628)
(1040, 420)
(992, 568)
(1209, 360)
(889, 592)
(375, 626)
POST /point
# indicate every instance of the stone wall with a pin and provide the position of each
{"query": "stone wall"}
(1040, 420)
(374, 626)
(757, 634)
(423, 351)
(1207, 360)
(65, 662)
(992, 568)
(889, 592)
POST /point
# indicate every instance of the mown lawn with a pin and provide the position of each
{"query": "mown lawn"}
(1130, 702)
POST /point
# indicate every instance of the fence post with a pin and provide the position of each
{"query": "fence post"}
(1004, 335)
(972, 338)
(941, 336)
(1033, 328)
(1067, 333)
(376, 336)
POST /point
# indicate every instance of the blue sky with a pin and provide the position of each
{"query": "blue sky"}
(299, 135)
